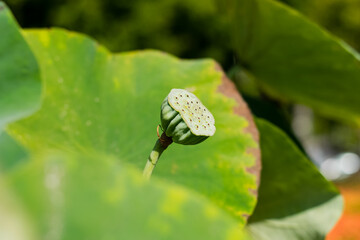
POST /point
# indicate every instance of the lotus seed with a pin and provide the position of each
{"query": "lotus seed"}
(182, 122)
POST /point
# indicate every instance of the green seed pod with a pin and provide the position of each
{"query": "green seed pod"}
(185, 119)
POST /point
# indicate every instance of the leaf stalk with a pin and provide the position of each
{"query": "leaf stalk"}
(161, 144)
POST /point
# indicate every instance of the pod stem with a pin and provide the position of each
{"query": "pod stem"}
(161, 144)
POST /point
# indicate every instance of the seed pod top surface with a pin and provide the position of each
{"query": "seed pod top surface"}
(196, 116)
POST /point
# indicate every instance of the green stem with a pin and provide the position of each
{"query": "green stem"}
(153, 158)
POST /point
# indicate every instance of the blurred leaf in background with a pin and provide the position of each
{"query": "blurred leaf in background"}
(340, 17)
(295, 201)
(102, 199)
(20, 86)
(20, 74)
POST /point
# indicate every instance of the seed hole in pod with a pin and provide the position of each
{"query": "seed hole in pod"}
(180, 95)
(176, 97)
(197, 102)
(208, 117)
(204, 126)
(195, 109)
(204, 110)
(177, 102)
(187, 95)
(199, 107)
(187, 103)
(191, 101)
(202, 114)
(190, 120)
(182, 109)
(197, 126)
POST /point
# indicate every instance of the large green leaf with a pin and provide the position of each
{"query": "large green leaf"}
(20, 86)
(95, 197)
(96, 102)
(295, 200)
(294, 59)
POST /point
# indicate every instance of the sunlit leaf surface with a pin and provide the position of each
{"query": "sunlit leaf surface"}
(98, 102)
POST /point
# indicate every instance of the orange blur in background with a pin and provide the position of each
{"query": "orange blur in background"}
(348, 227)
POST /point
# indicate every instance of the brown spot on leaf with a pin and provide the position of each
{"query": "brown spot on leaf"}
(228, 88)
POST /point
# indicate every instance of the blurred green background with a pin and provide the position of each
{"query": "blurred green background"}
(184, 28)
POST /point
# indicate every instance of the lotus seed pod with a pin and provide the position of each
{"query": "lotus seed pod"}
(185, 119)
